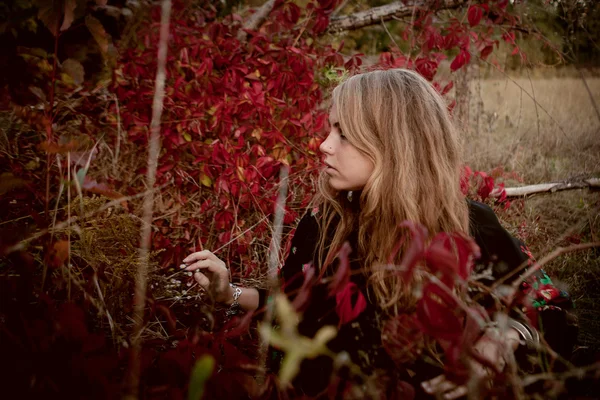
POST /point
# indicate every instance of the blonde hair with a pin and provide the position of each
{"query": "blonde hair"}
(398, 120)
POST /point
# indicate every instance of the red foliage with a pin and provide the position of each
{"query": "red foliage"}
(235, 112)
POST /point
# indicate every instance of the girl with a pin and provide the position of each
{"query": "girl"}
(392, 155)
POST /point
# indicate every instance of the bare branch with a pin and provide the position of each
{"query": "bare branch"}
(384, 13)
(274, 263)
(256, 19)
(552, 187)
(141, 281)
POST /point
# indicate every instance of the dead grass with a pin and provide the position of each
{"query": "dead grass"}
(559, 140)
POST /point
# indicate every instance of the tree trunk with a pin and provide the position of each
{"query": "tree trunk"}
(387, 12)
(256, 20)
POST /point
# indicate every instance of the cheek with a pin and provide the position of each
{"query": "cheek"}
(367, 168)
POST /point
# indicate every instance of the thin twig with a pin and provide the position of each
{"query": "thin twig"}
(133, 375)
(118, 145)
(549, 257)
(389, 34)
(589, 92)
(274, 262)
(524, 91)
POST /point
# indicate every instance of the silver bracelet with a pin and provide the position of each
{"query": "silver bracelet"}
(235, 306)
(530, 335)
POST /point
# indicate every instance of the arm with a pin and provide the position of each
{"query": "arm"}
(545, 305)
(213, 275)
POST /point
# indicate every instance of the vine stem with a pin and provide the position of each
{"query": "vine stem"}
(50, 118)
(141, 281)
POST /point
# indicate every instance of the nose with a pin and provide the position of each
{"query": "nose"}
(326, 147)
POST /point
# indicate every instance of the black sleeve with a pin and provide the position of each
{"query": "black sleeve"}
(301, 254)
(546, 306)
(498, 247)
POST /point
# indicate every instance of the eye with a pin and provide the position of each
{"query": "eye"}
(337, 127)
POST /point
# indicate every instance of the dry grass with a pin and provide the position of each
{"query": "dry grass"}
(559, 140)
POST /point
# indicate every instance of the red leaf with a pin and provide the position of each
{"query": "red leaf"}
(438, 314)
(486, 186)
(509, 37)
(401, 338)
(461, 59)
(452, 254)
(342, 275)
(415, 251)
(487, 50)
(344, 308)
(301, 299)
(447, 88)
(474, 15)
(427, 68)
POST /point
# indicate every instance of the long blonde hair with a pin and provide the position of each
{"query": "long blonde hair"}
(398, 120)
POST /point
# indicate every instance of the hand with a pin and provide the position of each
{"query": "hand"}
(211, 274)
(490, 348)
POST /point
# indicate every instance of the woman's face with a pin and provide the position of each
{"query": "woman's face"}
(347, 167)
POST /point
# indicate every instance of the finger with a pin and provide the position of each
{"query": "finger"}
(431, 385)
(439, 385)
(456, 393)
(202, 264)
(192, 257)
(445, 386)
(199, 255)
(202, 280)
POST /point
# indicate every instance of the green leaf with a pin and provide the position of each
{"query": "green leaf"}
(200, 373)
(187, 137)
(81, 176)
(205, 180)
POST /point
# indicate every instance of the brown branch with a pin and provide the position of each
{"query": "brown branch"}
(256, 20)
(384, 13)
(139, 300)
(552, 187)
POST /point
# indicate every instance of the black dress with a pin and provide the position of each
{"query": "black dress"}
(361, 338)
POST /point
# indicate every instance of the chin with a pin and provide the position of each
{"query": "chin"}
(340, 187)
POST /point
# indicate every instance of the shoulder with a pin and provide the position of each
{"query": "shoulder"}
(483, 221)
(481, 214)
